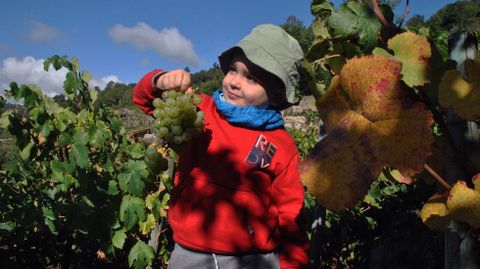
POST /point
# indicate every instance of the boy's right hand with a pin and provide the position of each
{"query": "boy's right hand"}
(178, 80)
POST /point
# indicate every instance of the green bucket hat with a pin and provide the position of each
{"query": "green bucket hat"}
(274, 50)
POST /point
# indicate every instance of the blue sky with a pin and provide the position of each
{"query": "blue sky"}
(122, 40)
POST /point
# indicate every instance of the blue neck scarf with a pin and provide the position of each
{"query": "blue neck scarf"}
(248, 116)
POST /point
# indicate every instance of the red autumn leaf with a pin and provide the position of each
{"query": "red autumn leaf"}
(381, 125)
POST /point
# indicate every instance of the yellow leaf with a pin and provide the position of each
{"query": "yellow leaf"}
(340, 168)
(372, 121)
(434, 213)
(463, 95)
(464, 204)
(147, 225)
(414, 52)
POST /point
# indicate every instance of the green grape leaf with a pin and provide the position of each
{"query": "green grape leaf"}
(26, 151)
(321, 8)
(59, 167)
(112, 187)
(118, 238)
(463, 95)
(47, 128)
(464, 204)
(57, 62)
(372, 122)
(141, 256)
(320, 28)
(356, 20)
(65, 139)
(136, 150)
(116, 126)
(93, 95)
(131, 179)
(97, 135)
(61, 172)
(49, 218)
(132, 210)
(7, 226)
(80, 136)
(71, 83)
(5, 119)
(78, 154)
(434, 213)
(414, 52)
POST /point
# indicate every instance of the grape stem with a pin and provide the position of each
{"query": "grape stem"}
(437, 177)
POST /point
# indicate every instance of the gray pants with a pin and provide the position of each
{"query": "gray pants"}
(182, 258)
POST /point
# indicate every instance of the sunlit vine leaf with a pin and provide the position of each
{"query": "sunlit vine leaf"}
(132, 176)
(141, 255)
(434, 213)
(463, 95)
(321, 9)
(118, 238)
(414, 52)
(372, 121)
(356, 20)
(148, 225)
(79, 155)
(464, 204)
(132, 210)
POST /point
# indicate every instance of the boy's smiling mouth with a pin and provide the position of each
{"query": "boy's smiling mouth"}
(231, 95)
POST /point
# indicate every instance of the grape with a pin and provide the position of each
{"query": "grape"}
(163, 131)
(177, 130)
(177, 118)
(158, 103)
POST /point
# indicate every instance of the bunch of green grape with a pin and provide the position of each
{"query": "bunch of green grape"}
(177, 118)
(155, 159)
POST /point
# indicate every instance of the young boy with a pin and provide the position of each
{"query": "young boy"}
(237, 195)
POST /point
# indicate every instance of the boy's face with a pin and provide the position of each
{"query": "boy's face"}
(240, 87)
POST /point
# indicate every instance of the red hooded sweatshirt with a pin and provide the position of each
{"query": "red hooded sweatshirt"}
(237, 190)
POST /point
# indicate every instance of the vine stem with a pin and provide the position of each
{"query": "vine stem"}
(405, 13)
(379, 13)
(437, 177)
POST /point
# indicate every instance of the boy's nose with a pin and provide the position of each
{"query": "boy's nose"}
(235, 81)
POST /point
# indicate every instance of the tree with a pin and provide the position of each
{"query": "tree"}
(416, 21)
(295, 28)
(462, 15)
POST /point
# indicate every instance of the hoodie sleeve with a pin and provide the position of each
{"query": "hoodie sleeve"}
(145, 91)
(288, 193)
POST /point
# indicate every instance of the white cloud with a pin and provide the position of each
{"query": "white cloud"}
(30, 71)
(167, 42)
(41, 32)
(102, 82)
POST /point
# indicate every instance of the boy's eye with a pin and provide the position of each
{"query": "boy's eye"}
(252, 79)
(232, 69)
